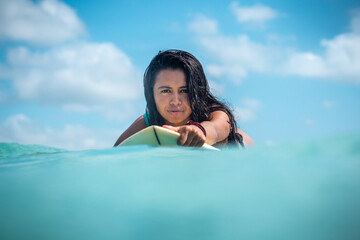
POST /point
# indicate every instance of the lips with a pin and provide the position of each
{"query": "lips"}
(175, 111)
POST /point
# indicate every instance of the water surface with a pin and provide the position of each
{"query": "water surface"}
(294, 191)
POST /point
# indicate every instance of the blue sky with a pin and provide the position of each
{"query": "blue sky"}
(71, 71)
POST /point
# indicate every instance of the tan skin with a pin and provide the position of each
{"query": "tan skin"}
(172, 102)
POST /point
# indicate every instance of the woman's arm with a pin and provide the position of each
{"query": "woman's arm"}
(217, 129)
(135, 127)
(220, 129)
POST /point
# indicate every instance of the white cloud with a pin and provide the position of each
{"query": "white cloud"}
(304, 64)
(216, 88)
(203, 25)
(254, 14)
(340, 61)
(43, 22)
(251, 103)
(20, 129)
(236, 56)
(68, 73)
(76, 77)
(342, 56)
(244, 115)
(247, 112)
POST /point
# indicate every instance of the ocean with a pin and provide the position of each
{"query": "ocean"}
(305, 190)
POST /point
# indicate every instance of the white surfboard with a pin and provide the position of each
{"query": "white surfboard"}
(157, 136)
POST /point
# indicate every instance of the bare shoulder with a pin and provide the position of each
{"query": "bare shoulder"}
(135, 127)
(248, 142)
(222, 117)
(218, 115)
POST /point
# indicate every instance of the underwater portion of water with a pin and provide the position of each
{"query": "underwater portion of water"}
(294, 191)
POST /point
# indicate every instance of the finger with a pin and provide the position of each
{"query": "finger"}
(194, 138)
(175, 129)
(190, 136)
(190, 139)
(183, 137)
(197, 142)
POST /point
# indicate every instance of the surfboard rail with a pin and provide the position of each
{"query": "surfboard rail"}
(157, 136)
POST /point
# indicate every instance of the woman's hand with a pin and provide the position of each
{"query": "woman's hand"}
(190, 135)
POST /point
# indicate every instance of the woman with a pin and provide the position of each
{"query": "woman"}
(178, 98)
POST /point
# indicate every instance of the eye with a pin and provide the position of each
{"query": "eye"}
(165, 91)
(184, 90)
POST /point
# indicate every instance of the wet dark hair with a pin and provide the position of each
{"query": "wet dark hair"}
(202, 101)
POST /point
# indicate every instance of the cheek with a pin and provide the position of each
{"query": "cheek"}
(186, 100)
(160, 101)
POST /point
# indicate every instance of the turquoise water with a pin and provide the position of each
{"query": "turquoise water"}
(293, 191)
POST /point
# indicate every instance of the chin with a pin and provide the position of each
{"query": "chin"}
(176, 122)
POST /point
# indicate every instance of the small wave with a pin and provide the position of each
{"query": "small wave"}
(11, 150)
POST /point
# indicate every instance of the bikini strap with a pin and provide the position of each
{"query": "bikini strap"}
(146, 118)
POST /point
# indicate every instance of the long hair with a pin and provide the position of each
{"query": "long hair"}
(202, 101)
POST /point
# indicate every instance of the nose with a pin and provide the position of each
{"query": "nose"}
(175, 99)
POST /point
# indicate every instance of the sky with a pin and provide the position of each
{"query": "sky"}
(71, 71)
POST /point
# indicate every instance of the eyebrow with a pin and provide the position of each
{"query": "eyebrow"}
(161, 87)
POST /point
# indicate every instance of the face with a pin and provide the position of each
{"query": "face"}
(171, 97)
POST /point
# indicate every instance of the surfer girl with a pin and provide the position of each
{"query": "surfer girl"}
(178, 98)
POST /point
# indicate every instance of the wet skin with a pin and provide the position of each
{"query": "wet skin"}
(171, 97)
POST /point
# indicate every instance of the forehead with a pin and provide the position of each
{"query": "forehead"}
(170, 77)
